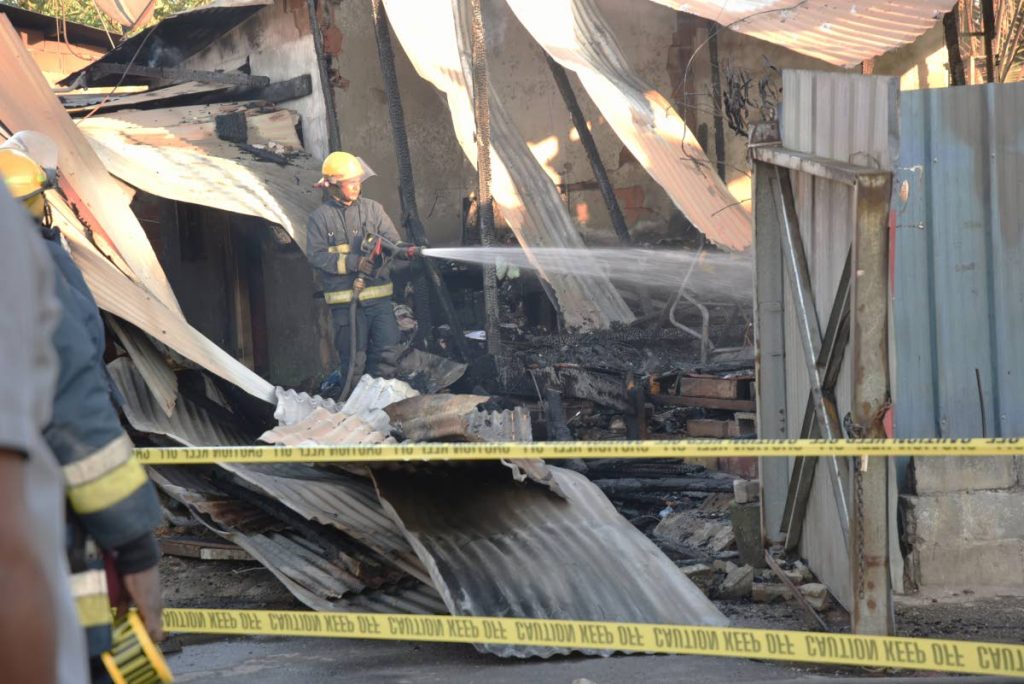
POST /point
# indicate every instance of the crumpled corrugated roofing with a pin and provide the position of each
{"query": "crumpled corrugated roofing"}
(434, 35)
(577, 36)
(324, 428)
(841, 33)
(293, 407)
(188, 424)
(501, 549)
(338, 499)
(124, 298)
(175, 153)
(149, 362)
(328, 578)
(28, 103)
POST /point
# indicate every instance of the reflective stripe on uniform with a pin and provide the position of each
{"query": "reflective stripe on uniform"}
(108, 490)
(339, 249)
(342, 269)
(345, 296)
(100, 462)
(89, 589)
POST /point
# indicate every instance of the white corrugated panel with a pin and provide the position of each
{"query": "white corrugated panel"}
(435, 36)
(841, 33)
(575, 34)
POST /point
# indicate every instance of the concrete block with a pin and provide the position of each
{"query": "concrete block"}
(746, 527)
(769, 593)
(702, 575)
(964, 473)
(677, 527)
(816, 594)
(724, 539)
(805, 572)
(967, 516)
(968, 566)
(738, 583)
(746, 491)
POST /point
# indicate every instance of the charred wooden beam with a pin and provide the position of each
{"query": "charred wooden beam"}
(180, 75)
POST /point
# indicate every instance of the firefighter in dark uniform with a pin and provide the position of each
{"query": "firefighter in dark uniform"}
(112, 505)
(334, 234)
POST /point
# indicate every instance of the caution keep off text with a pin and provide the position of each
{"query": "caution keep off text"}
(837, 649)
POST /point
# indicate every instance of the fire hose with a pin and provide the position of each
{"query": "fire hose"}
(377, 254)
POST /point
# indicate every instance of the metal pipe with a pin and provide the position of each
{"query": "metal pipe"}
(482, 110)
(590, 147)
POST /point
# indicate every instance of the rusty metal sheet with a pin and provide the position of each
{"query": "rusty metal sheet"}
(504, 549)
(27, 103)
(576, 35)
(840, 33)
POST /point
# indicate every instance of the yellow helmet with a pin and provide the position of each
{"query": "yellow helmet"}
(342, 166)
(25, 179)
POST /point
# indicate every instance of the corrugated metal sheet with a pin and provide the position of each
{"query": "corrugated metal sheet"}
(188, 424)
(321, 427)
(293, 407)
(576, 35)
(322, 577)
(849, 118)
(841, 33)
(497, 548)
(175, 153)
(434, 34)
(958, 300)
(27, 103)
(175, 38)
(373, 394)
(338, 499)
(149, 362)
(118, 295)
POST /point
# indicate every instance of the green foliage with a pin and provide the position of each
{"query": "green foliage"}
(85, 11)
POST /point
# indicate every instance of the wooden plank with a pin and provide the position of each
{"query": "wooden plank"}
(115, 229)
(707, 427)
(202, 549)
(145, 98)
(703, 402)
(705, 386)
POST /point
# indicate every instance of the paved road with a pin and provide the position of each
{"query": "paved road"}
(270, 660)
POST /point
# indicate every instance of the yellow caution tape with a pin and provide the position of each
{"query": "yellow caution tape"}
(679, 449)
(968, 657)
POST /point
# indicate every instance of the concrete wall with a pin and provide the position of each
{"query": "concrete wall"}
(965, 524)
(278, 43)
(441, 173)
